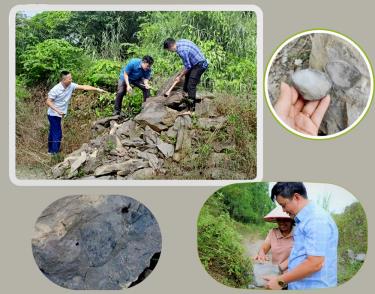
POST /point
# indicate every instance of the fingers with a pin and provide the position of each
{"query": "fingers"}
(298, 106)
(310, 107)
(285, 100)
(266, 278)
(321, 109)
(294, 94)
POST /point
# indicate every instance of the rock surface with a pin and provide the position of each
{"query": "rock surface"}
(343, 63)
(311, 84)
(95, 242)
(138, 148)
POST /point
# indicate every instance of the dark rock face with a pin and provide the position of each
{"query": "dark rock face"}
(96, 242)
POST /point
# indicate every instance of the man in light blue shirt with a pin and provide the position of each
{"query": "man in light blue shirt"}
(313, 259)
(58, 101)
(137, 73)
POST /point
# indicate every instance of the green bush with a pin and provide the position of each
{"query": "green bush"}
(22, 92)
(44, 61)
(220, 247)
(352, 227)
(104, 73)
(247, 203)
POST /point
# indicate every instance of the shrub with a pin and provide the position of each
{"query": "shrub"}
(104, 73)
(352, 226)
(219, 246)
(247, 203)
(22, 92)
(44, 61)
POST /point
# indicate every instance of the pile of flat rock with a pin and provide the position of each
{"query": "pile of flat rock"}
(138, 148)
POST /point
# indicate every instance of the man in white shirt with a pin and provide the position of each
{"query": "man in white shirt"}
(58, 101)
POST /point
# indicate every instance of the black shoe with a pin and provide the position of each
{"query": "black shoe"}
(119, 113)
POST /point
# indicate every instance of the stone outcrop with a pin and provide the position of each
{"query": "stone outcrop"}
(138, 148)
(96, 242)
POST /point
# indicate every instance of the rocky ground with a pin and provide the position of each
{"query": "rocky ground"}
(343, 63)
(161, 136)
(96, 242)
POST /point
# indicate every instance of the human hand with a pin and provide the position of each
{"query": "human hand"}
(272, 282)
(129, 88)
(177, 79)
(59, 112)
(147, 86)
(261, 257)
(299, 114)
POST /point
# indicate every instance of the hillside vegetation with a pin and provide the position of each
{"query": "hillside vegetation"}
(95, 45)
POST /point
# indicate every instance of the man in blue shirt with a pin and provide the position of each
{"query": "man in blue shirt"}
(195, 64)
(313, 259)
(58, 101)
(137, 73)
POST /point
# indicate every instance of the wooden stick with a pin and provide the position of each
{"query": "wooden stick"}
(166, 94)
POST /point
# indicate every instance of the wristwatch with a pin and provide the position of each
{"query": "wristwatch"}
(282, 283)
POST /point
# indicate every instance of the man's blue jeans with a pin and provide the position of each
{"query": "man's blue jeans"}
(55, 134)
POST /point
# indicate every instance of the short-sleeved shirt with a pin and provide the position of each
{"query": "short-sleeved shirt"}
(135, 71)
(280, 245)
(61, 97)
(315, 234)
(190, 54)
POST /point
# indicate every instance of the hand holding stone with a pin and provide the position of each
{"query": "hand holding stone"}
(299, 114)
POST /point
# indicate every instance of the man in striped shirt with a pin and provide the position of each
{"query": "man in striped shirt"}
(195, 64)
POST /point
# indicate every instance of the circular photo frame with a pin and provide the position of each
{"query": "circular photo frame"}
(319, 84)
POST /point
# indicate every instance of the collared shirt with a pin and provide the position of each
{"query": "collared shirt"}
(315, 234)
(190, 54)
(280, 246)
(61, 97)
(135, 71)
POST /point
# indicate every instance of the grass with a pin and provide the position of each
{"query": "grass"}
(32, 129)
(239, 130)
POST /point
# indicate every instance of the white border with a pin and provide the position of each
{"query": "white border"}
(321, 31)
(12, 100)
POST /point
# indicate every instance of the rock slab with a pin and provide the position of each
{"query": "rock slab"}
(95, 242)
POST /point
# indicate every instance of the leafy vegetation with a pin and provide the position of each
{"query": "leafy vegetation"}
(228, 217)
(352, 226)
(219, 245)
(95, 45)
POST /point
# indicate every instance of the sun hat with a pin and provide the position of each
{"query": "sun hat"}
(276, 213)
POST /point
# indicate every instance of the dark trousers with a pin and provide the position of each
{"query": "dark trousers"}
(192, 79)
(121, 92)
(55, 134)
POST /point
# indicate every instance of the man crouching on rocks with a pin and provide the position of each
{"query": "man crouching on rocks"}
(58, 101)
(137, 73)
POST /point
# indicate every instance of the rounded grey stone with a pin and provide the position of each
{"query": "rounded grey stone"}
(311, 84)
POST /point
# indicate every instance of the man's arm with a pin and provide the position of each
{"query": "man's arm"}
(89, 88)
(50, 104)
(309, 266)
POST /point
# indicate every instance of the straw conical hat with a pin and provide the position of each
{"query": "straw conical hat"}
(276, 213)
